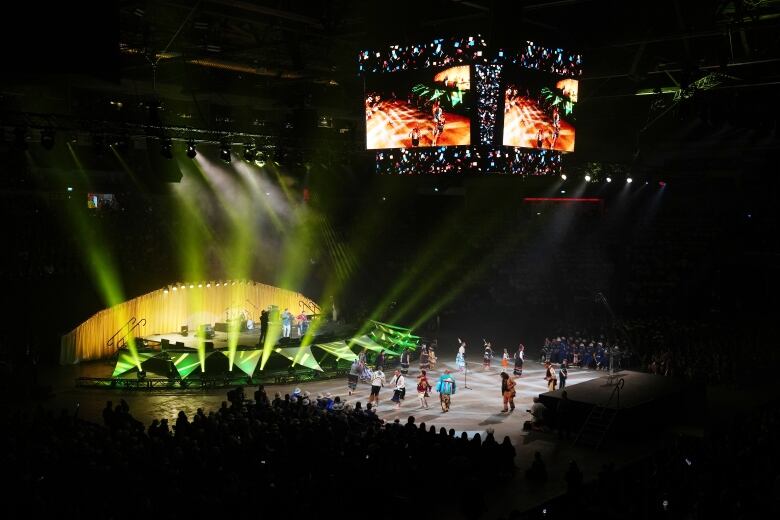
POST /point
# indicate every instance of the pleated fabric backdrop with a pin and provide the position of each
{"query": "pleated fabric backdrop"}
(167, 310)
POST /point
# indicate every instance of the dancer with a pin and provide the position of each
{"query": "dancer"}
(352, 377)
(505, 360)
(446, 388)
(488, 354)
(400, 388)
(460, 357)
(508, 392)
(423, 387)
(432, 355)
(415, 136)
(377, 382)
(425, 362)
(380, 361)
(405, 362)
(519, 360)
(550, 376)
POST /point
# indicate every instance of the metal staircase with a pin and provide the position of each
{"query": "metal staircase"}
(119, 339)
(600, 420)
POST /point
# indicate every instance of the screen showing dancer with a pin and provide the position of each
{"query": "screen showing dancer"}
(539, 110)
(419, 108)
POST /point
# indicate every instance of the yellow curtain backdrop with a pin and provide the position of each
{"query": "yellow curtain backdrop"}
(166, 311)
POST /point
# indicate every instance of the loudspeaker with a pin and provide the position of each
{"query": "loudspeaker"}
(209, 346)
(221, 327)
(165, 344)
(184, 330)
(179, 344)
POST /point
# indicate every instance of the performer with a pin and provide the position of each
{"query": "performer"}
(400, 388)
(423, 387)
(505, 360)
(550, 376)
(460, 357)
(352, 377)
(263, 326)
(508, 392)
(432, 353)
(380, 361)
(446, 388)
(405, 362)
(377, 382)
(415, 136)
(563, 373)
(519, 360)
(287, 319)
(425, 362)
(488, 355)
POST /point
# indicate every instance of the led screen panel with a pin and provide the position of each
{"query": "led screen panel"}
(539, 110)
(420, 108)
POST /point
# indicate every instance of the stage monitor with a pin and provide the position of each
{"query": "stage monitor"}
(419, 108)
(539, 109)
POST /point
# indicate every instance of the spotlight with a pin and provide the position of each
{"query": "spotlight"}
(224, 150)
(191, 152)
(564, 177)
(587, 178)
(166, 147)
(121, 143)
(47, 138)
(249, 152)
(609, 179)
(661, 184)
(260, 158)
(629, 180)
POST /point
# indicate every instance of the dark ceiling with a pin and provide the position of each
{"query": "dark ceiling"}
(259, 69)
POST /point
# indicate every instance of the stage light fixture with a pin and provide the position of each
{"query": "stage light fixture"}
(121, 143)
(661, 183)
(166, 147)
(587, 178)
(629, 180)
(249, 152)
(47, 138)
(224, 151)
(564, 177)
(191, 151)
(609, 179)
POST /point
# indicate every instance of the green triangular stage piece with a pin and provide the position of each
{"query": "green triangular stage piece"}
(247, 360)
(366, 342)
(126, 361)
(299, 356)
(186, 362)
(338, 349)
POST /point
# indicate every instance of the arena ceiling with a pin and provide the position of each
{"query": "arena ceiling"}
(657, 73)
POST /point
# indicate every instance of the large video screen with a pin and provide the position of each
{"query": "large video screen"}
(539, 110)
(419, 108)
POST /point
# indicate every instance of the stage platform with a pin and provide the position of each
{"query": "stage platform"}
(247, 338)
(642, 400)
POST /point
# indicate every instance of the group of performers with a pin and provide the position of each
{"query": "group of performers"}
(362, 371)
(487, 357)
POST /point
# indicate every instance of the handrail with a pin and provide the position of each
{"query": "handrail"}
(618, 387)
(313, 307)
(111, 341)
(139, 323)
